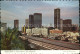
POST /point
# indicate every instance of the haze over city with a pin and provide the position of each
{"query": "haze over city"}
(21, 10)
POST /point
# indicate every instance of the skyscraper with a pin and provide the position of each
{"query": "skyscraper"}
(26, 22)
(16, 23)
(31, 21)
(57, 18)
(37, 20)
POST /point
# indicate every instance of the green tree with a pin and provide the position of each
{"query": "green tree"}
(10, 40)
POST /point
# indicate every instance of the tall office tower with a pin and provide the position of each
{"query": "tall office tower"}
(67, 25)
(38, 20)
(31, 21)
(16, 23)
(26, 22)
(57, 18)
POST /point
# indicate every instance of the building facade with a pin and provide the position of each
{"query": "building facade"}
(67, 25)
(37, 31)
(38, 20)
(28, 32)
(57, 18)
(3, 27)
(55, 31)
(26, 22)
(31, 21)
(61, 24)
(75, 28)
(24, 29)
(16, 23)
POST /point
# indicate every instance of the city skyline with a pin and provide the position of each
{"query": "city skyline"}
(20, 11)
(40, 25)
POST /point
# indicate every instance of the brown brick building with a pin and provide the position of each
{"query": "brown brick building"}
(67, 25)
(16, 23)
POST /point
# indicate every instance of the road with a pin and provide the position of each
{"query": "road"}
(52, 44)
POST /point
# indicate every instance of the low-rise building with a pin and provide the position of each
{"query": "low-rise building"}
(40, 31)
(28, 31)
(55, 31)
(37, 31)
(72, 34)
(24, 29)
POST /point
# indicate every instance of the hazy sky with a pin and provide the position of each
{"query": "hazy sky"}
(11, 10)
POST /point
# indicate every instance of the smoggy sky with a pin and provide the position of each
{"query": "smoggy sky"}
(11, 10)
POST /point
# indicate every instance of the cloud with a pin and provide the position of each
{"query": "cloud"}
(21, 10)
(6, 15)
(69, 12)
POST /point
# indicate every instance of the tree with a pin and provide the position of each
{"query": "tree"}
(10, 40)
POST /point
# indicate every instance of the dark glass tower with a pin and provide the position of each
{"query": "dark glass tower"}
(38, 20)
(31, 21)
(57, 18)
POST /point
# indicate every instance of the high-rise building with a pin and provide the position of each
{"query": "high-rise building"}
(3, 27)
(31, 21)
(16, 23)
(67, 25)
(37, 20)
(61, 24)
(26, 22)
(57, 18)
